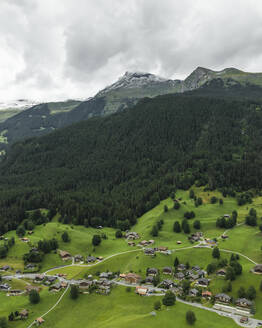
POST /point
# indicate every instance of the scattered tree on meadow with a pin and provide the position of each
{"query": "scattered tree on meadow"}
(177, 227)
(177, 205)
(157, 305)
(169, 299)
(190, 317)
(216, 253)
(118, 234)
(176, 262)
(96, 240)
(197, 224)
(251, 293)
(34, 297)
(65, 237)
(74, 292)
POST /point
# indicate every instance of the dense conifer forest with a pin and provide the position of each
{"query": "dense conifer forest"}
(109, 171)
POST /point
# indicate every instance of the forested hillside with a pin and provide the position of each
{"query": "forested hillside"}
(118, 167)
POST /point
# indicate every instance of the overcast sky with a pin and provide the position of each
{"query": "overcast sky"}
(59, 49)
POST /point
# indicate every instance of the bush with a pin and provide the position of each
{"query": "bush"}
(157, 305)
(3, 322)
(169, 299)
(34, 297)
(118, 234)
(190, 317)
(96, 240)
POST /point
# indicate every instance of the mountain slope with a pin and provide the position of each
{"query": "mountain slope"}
(124, 93)
(118, 167)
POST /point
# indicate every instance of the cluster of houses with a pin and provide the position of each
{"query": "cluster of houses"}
(66, 256)
(196, 236)
(160, 249)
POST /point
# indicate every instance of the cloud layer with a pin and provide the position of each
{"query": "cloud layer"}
(57, 49)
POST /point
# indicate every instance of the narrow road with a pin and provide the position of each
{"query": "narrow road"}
(53, 307)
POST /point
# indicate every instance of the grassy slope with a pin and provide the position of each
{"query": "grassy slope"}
(244, 239)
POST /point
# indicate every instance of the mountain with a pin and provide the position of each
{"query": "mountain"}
(126, 92)
(119, 166)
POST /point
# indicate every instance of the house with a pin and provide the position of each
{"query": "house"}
(4, 287)
(56, 287)
(224, 236)
(39, 277)
(180, 275)
(28, 288)
(193, 292)
(243, 302)
(63, 284)
(104, 290)
(106, 275)
(201, 273)
(244, 320)
(6, 268)
(151, 242)
(162, 249)
(90, 259)
(149, 251)
(30, 232)
(142, 291)
(196, 268)
(181, 267)
(227, 216)
(203, 282)
(192, 276)
(15, 292)
(39, 321)
(24, 314)
(221, 272)
(131, 235)
(85, 284)
(179, 242)
(131, 243)
(167, 283)
(143, 243)
(258, 269)
(206, 294)
(65, 255)
(224, 298)
(149, 280)
(167, 270)
(132, 278)
(30, 266)
(79, 258)
(152, 272)
(25, 239)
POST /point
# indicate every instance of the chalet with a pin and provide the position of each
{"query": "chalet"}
(227, 216)
(243, 302)
(39, 278)
(65, 256)
(203, 282)
(162, 249)
(6, 268)
(224, 236)
(149, 251)
(131, 235)
(143, 243)
(210, 242)
(196, 268)
(79, 258)
(206, 294)
(29, 288)
(258, 269)
(39, 321)
(244, 320)
(100, 258)
(193, 292)
(180, 275)
(30, 266)
(221, 272)
(85, 284)
(179, 242)
(132, 278)
(106, 275)
(192, 276)
(151, 242)
(142, 291)
(63, 284)
(149, 280)
(131, 243)
(195, 236)
(167, 284)
(24, 314)
(167, 270)
(56, 287)
(25, 239)
(90, 259)
(104, 290)
(15, 292)
(152, 272)
(30, 232)
(224, 298)
(4, 287)
(181, 267)
(201, 273)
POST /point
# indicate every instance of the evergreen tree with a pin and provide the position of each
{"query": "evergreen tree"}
(197, 224)
(157, 305)
(251, 293)
(216, 253)
(169, 299)
(96, 240)
(177, 227)
(74, 292)
(190, 317)
(34, 297)
(176, 262)
(65, 237)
